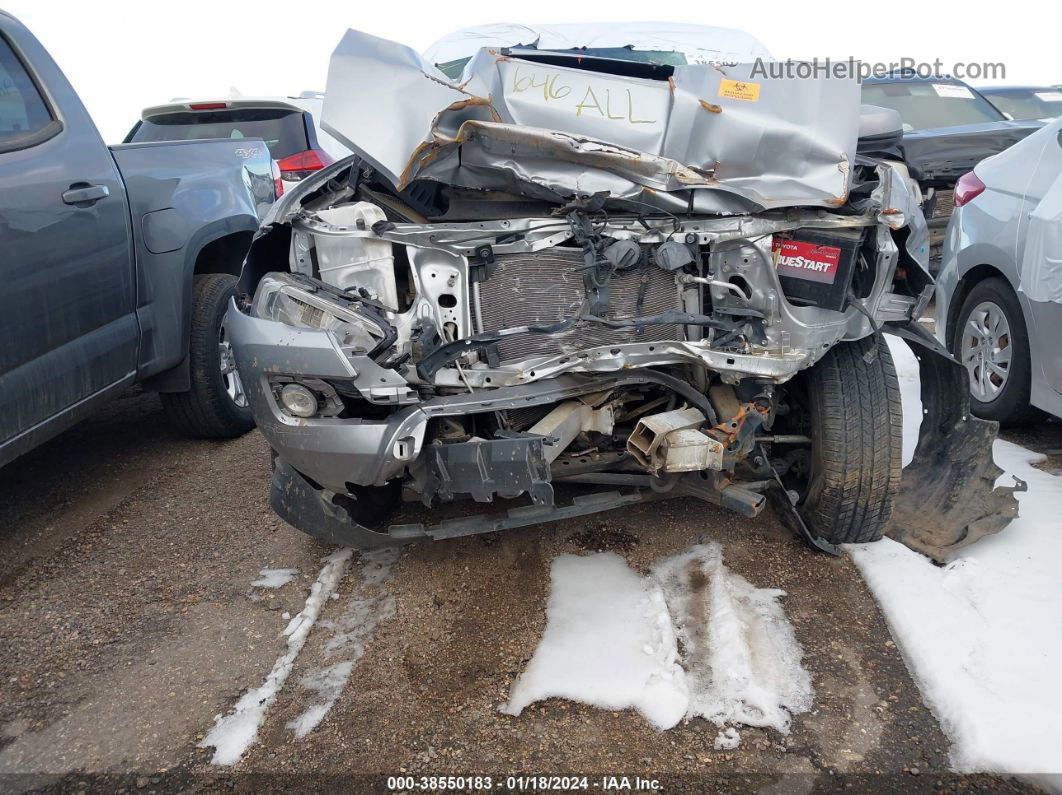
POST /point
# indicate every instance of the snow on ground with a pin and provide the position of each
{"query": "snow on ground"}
(608, 642)
(275, 578)
(983, 635)
(234, 733)
(741, 657)
(727, 739)
(351, 633)
(611, 641)
(328, 684)
(911, 392)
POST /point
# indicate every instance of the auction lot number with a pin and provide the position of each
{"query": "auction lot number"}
(470, 783)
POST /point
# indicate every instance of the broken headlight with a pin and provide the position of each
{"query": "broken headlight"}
(358, 329)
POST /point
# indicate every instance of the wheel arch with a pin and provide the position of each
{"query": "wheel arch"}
(220, 247)
(223, 254)
(969, 280)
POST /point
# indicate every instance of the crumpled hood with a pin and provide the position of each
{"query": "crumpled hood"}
(707, 138)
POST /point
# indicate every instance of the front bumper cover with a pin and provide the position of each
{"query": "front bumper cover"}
(367, 452)
(336, 452)
(314, 512)
(333, 452)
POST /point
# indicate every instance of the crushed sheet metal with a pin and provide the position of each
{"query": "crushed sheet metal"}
(791, 146)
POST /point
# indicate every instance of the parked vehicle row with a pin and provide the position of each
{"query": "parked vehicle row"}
(518, 262)
(1026, 102)
(118, 262)
(288, 126)
(948, 128)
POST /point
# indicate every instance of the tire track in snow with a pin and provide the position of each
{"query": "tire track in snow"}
(742, 659)
(351, 634)
(234, 733)
(612, 640)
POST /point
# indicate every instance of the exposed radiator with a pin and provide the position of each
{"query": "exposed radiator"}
(547, 286)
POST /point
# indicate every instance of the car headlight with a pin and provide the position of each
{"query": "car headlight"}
(281, 298)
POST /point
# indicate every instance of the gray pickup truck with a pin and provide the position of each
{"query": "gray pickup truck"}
(117, 262)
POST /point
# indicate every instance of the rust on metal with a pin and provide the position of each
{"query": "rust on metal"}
(428, 151)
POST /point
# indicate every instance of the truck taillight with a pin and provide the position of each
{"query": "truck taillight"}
(301, 164)
(968, 187)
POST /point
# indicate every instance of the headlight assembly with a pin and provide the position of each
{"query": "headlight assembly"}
(359, 329)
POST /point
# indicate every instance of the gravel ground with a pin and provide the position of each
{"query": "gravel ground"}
(129, 621)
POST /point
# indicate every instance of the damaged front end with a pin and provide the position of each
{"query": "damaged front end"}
(572, 285)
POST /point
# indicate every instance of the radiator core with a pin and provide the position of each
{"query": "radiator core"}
(547, 286)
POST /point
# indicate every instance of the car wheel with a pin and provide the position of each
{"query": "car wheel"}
(846, 480)
(216, 405)
(991, 342)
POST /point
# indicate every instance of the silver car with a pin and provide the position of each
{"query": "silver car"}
(609, 263)
(999, 293)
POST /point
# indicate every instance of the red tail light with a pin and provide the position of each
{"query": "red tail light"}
(302, 164)
(278, 181)
(208, 106)
(968, 187)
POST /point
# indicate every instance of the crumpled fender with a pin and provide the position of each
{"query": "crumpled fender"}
(948, 496)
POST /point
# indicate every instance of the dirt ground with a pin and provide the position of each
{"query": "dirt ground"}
(128, 622)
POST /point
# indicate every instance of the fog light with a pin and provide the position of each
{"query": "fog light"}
(298, 401)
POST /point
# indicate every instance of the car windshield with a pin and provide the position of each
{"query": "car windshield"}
(283, 130)
(453, 69)
(927, 106)
(1045, 103)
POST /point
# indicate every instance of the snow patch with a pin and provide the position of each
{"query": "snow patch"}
(233, 734)
(910, 393)
(742, 659)
(328, 683)
(983, 635)
(611, 641)
(275, 578)
(728, 739)
(351, 633)
(608, 642)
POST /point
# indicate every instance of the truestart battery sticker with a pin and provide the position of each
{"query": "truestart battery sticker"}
(811, 261)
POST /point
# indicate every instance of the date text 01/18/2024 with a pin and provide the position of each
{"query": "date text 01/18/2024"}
(528, 783)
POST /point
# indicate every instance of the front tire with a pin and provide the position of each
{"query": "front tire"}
(849, 404)
(216, 405)
(990, 340)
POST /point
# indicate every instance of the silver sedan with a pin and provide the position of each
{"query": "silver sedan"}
(999, 293)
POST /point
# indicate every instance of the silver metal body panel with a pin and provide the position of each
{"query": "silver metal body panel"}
(714, 135)
(993, 230)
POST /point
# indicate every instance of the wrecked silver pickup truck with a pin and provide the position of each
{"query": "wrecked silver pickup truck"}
(608, 262)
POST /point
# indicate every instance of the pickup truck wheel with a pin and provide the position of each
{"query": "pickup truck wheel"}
(991, 341)
(216, 405)
(849, 405)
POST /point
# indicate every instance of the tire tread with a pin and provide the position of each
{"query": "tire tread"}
(205, 411)
(857, 427)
